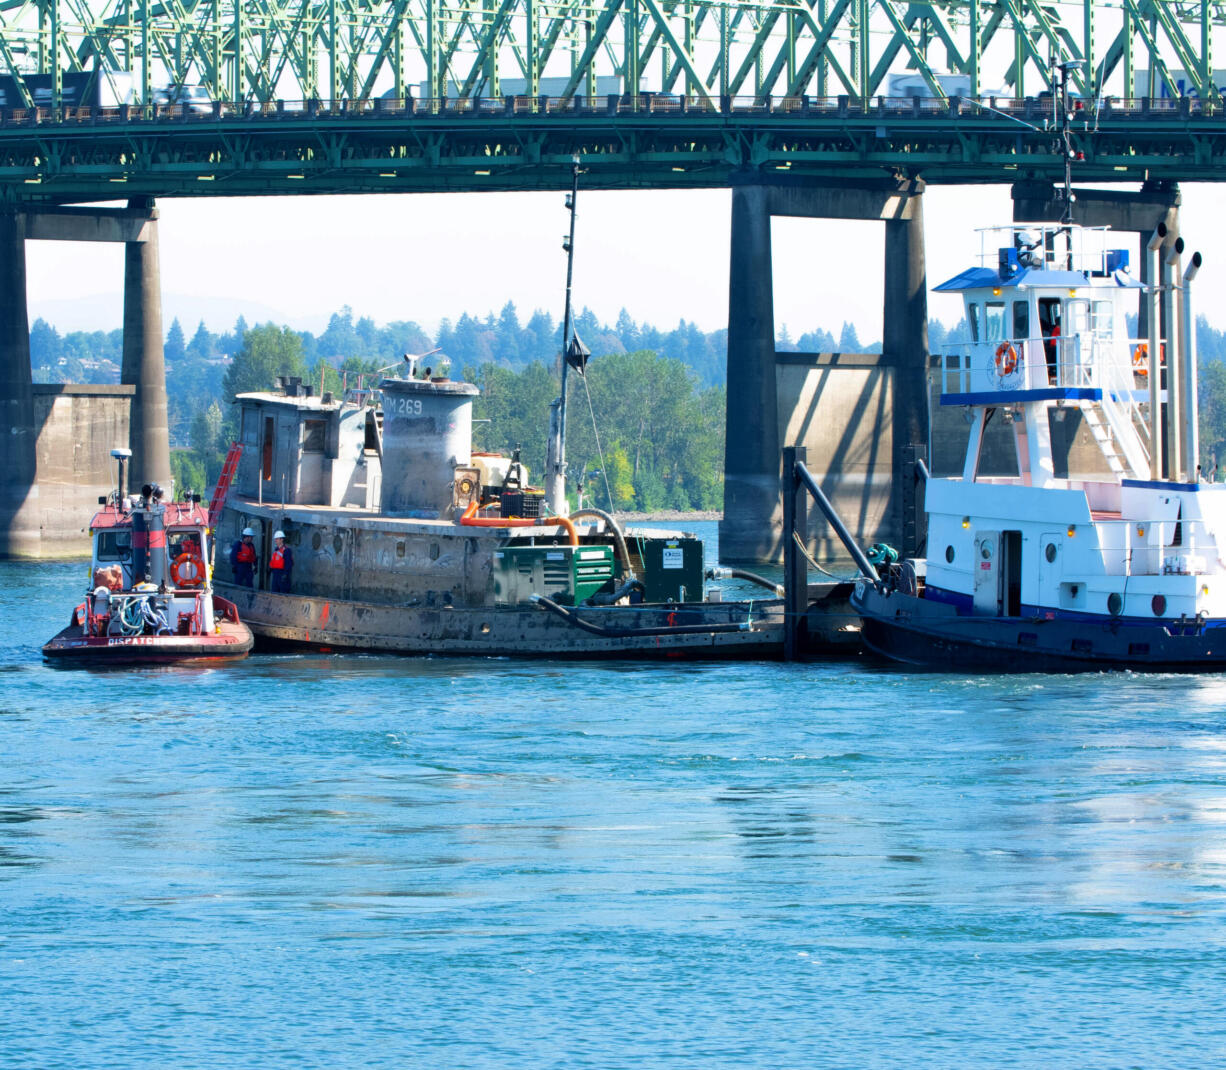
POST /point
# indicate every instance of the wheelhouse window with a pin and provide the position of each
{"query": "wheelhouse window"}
(115, 545)
(972, 319)
(1021, 320)
(313, 436)
(1100, 317)
(994, 321)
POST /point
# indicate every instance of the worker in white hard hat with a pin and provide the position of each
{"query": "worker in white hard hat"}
(243, 558)
(280, 564)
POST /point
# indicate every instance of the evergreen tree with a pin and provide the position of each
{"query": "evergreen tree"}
(267, 352)
(176, 347)
(203, 345)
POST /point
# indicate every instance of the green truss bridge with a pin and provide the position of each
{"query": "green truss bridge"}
(107, 99)
(819, 108)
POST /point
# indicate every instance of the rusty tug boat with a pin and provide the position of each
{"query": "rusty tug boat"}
(151, 598)
(405, 540)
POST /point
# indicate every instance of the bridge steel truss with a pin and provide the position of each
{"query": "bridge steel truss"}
(264, 50)
(372, 95)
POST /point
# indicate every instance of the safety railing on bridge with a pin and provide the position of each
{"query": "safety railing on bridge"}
(1031, 109)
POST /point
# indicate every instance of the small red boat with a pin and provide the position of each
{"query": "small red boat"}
(151, 597)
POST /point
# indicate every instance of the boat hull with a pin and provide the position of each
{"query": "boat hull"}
(922, 633)
(231, 642)
(694, 630)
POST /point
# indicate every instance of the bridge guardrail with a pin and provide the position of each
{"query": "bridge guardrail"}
(1032, 109)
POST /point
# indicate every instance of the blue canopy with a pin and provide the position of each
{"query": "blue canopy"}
(982, 278)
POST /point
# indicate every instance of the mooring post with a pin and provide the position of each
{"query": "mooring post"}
(795, 537)
(144, 365)
(19, 521)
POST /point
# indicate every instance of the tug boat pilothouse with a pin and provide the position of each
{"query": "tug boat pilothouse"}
(1095, 544)
(150, 598)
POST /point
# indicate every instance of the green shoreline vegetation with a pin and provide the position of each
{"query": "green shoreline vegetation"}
(658, 397)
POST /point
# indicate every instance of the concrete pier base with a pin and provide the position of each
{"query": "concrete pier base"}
(19, 520)
(862, 417)
(57, 438)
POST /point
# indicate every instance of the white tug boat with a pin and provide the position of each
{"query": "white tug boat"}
(1096, 544)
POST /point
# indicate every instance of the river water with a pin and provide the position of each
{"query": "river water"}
(304, 861)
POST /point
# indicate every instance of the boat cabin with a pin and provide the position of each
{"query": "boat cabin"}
(1041, 526)
(305, 449)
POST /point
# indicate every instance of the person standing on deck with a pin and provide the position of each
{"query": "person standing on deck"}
(243, 559)
(280, 564)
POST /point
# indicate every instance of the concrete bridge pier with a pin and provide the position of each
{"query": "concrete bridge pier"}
(862, 417)
(19, 514)
(144, 364)
(57, 440)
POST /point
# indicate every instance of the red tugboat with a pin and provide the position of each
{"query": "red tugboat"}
(150, 598)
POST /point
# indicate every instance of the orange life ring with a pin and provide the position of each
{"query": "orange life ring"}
(1007, 359)
(1140, 359)
(187, 571)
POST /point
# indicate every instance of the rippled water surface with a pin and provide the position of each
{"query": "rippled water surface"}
(380, 862)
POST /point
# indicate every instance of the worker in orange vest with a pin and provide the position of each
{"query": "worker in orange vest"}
(280, 564)
(243, 559)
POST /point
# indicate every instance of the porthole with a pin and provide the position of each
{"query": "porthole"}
(400, 548)
(1115, 604)
(1158, 604)
(949, 554)
(434, 551)
(1050, 551)
(985, 551)
(337, 543)
(317, 540)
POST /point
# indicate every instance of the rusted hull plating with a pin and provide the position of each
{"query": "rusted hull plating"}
(519, 631)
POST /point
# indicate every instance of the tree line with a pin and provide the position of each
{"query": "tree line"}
(658, 396)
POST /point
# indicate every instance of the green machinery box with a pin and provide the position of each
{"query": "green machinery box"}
(672, 569)
(567, 574)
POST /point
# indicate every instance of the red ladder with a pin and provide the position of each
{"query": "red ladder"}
(223, 483)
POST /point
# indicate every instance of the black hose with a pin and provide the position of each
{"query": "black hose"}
(619, 537)
(610, 598)
(722, 573)
(629, 633)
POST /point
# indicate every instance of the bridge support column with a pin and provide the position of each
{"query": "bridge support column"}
(19, 521)
(862, 417)
(144, 365)
(753, 511)
(905, 343)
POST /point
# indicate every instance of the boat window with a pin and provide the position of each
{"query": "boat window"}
(972, 316)
(183, 542)
(994, 321)
(1021, 319)
(115, 545)
(1076, 316)
(250, 425)
(313, 436)
(1100, 321)
(268, 445)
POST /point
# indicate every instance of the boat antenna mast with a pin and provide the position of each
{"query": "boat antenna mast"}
(555, 462)
(1064, 145)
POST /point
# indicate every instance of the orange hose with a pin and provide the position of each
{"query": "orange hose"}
(470, 519)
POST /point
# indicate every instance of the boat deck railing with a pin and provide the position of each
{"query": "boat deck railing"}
(1158, 548)
(1091, 359)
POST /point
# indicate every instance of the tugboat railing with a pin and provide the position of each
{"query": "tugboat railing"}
(1149, 548)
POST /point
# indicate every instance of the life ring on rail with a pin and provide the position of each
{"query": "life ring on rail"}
(1007, 359)
(187, 571)
(1140, 359)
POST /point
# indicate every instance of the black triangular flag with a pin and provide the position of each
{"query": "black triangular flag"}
(577, 353)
